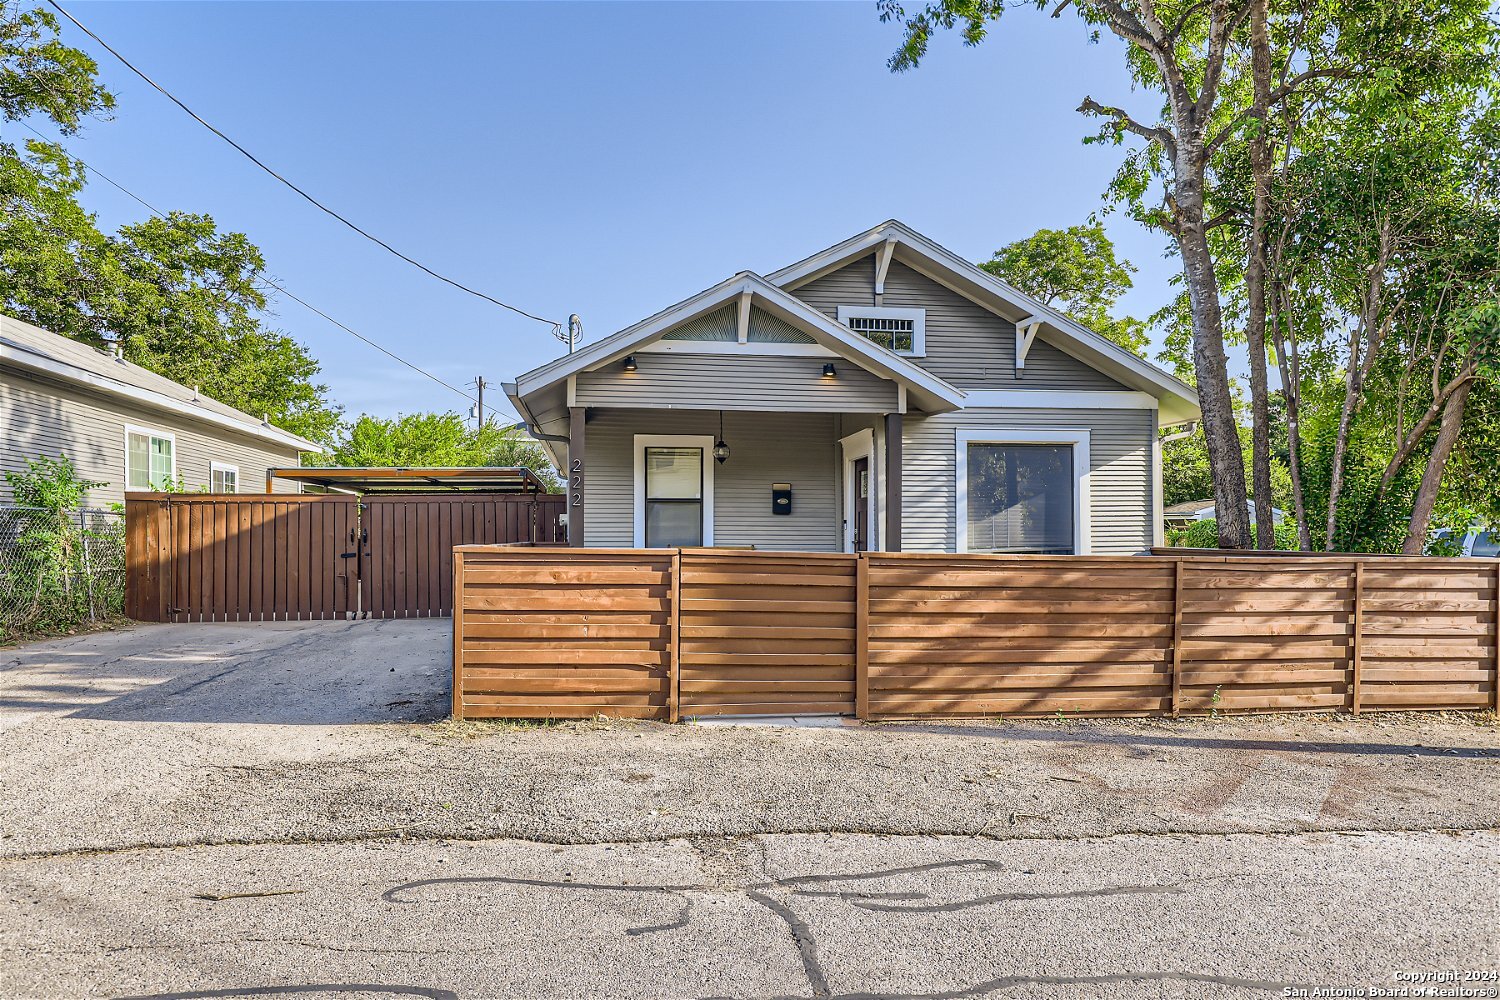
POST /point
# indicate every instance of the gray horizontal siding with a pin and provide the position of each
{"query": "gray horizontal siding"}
(967, 345)
(766, 448)
(40, 418)
(733, 382)
(1120, 478)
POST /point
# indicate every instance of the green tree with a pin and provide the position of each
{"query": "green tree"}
(180, 297)
(1223, 73)
(438, 440)
(1074, 270)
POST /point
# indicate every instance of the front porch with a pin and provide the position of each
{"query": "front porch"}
(792, 481)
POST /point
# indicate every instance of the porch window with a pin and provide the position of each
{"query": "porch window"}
(1021, 498)
(674, 497)
(149, 459)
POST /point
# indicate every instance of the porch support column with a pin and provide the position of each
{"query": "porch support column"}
(892, 538)
(576, 463)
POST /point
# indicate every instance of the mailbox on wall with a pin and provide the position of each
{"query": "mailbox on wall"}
(781, 498)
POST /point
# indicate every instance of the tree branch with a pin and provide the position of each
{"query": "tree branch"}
(1123, 122)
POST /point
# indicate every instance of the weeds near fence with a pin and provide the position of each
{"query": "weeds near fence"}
(62, 564)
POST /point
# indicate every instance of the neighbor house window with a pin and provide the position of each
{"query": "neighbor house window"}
(223, 478)
(900, 330)
(674, 497)
(1023, 496)
(150, 459)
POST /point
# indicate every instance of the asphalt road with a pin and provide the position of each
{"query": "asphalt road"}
(145, 770)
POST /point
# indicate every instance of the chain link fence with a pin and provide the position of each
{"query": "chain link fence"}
(59, 569)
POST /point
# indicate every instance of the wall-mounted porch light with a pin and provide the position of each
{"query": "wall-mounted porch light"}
(829, 371)
(629, 363)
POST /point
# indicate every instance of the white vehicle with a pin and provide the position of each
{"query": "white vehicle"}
(1481, 543)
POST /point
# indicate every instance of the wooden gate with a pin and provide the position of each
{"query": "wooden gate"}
(191, 558)
(407, 557)
(263, 557)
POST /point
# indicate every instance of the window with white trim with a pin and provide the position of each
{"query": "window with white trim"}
(903, 331)
(674, 497)
(1022, 492)
(1020, 498)
(223, 478)
(150, 459)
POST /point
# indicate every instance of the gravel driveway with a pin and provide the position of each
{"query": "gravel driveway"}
(146, 767)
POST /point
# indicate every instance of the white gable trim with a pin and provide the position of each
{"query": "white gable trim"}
(1068, 334)
(933, 394)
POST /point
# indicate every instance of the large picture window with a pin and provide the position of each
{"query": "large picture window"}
(1023, 496)
(150, 459)
(674, 497)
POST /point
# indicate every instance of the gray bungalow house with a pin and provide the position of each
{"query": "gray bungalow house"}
(125, 426)
(882, 394)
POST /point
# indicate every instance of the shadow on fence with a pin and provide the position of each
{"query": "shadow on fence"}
(667, 633)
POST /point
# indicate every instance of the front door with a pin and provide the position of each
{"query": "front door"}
(861, 511)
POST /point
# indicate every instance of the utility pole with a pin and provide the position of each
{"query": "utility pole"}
(479, 382)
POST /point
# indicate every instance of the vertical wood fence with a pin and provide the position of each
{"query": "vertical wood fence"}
(218, 558)
(260, 557)
(409, 540)
(670, 633)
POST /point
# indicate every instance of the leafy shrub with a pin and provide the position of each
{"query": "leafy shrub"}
(1205, 535)
(60, 564)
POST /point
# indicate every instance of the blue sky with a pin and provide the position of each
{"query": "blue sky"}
(606, 159)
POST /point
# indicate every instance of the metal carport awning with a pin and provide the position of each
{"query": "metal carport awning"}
(510, 479)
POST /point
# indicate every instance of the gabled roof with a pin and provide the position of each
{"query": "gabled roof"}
(30, 347)
(926, 390)
(1178, 400)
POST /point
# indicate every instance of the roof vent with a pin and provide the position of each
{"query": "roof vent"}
(195, 394)
(118, 350)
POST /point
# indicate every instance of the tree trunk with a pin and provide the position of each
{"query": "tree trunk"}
(1226, 460)
(1255, 280)
(1432, 476)
(1288, 363)
(1364, 342)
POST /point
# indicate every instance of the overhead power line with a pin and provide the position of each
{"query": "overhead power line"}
(311, 200)
(276, 285)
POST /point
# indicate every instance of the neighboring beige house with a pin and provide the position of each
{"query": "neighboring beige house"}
(881, 394)
(123, 425)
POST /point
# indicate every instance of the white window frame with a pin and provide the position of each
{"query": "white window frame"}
(221, 467)
(1078, 438)
(150, 432)
(917, 316)
(644, 441)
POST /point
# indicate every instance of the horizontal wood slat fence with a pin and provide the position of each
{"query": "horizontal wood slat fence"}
(666, 633)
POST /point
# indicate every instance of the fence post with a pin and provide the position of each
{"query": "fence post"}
(674, 639)
(1176, 637)
(1495, 691)
(861, 636)
(1357, 628)
(88, 574)
(458, 634)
